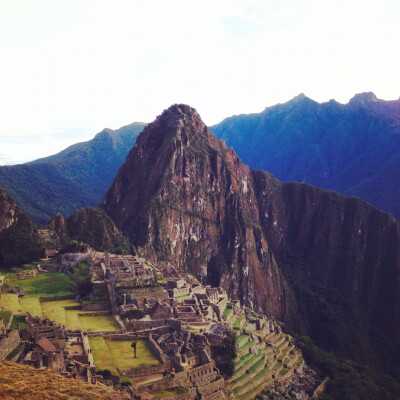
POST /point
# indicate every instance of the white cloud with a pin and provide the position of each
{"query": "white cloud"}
(100, 63)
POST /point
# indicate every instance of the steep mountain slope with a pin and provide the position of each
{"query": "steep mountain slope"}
(19, 240)
(353, 149)
(90, 225)
(23, 382)
(328, 266)
(186, 196)
(74, 178)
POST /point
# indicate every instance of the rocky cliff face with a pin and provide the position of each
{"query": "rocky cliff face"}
(341, 259)
(184, 195)
(9, 212)
(328, 266)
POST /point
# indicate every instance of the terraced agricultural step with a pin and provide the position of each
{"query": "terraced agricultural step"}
(292, 361)
(231, 317)
(241, 340)
(242, 386)
(247, 365)
(260, 379)
(279, 341)
(242, 360)
(239, 321)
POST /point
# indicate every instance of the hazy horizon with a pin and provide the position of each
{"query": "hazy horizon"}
(72, 68)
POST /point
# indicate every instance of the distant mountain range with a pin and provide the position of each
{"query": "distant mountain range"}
(74, 178)
(353, 148)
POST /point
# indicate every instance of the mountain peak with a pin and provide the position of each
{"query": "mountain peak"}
(300, 96)
(179, 122)
(363, 98)
(176, 116)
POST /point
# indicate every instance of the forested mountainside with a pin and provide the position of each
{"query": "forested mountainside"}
(351, 148)
(74, 178)
(21, 241)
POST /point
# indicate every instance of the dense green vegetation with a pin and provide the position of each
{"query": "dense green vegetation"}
(134, 313)
(353, 149)
(43, 285)
(74, 178)
(347, 379)
(224, 354)
(20, 243)
(6, 315)
(335, 320)
(93, 226)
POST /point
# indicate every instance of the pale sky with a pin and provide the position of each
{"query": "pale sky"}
(69, 68)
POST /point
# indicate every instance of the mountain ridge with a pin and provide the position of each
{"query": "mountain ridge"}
(350, 148)
(74, 178)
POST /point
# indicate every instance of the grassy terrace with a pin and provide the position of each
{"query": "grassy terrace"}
(18, 319)
(237, 322)
(245, 357)
(113, 354)
(227, 311)
(159, 394)
(247, 345)
(253, 370)
(44, 285)
(6, 315)
(48, 285)
(249, 359)
(240, 338)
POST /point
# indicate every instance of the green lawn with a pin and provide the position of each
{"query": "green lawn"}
(52, 284)
(31, 304)
(44, 285)
(55, 311)
(113, 354)
(227, 311)
(98, 323)
(10, 302)
(6, 316)
(18, 319)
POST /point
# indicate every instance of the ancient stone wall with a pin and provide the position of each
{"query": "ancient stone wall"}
(143, 325)
(8, 343)
(55, 298)
(104, 305)
(187, 315)
(150, 295)
(72, 307)
(152, 369)
(198, 289)
(178, 292)
(174, 324)
(157, 350)
(211, 387)
(94, 314)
